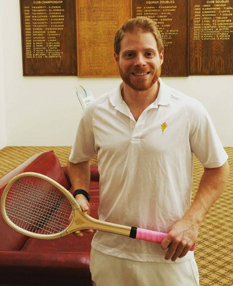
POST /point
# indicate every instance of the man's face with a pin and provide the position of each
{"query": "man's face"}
(139, 61)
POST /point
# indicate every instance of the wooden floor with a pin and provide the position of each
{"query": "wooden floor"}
(214, 248)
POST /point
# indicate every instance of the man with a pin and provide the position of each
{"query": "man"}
(145, 135)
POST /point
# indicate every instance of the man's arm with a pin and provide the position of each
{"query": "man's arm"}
(184, 233)
(79, 175)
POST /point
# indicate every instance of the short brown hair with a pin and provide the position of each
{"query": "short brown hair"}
(142, 23)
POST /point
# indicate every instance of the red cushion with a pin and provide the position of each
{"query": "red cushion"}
(94, 173)
(46, 163)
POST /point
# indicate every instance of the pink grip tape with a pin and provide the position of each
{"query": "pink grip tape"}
(150, 235)
(153, 236)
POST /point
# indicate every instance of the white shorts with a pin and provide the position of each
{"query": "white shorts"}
(108, 270)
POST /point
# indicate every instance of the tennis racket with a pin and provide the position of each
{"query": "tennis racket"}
(37, 206)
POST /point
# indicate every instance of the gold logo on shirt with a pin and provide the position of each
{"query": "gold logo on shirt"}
(163, 126)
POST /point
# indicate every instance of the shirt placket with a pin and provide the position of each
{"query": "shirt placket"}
(137, 128)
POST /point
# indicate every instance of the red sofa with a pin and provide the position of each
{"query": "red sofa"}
(61, 262)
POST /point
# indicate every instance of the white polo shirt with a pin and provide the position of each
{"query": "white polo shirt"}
(146, 165)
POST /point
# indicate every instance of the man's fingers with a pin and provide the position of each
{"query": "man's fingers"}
(184, 252)
(171, 251)
(170, 245)
(179, 250)
(81, 232)
(175, 248)
(78, 233)
(166, 242)
(83, 202)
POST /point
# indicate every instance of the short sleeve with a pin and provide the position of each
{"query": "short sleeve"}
(83, 148)
(204, 141)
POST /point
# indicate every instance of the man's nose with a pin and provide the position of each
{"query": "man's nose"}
(140, 60)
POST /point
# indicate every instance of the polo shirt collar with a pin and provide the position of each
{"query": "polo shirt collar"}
(163, 98)
(164, 95)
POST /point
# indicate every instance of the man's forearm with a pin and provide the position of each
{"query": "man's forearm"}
(211, 186)
(183, 234)
(79, 175)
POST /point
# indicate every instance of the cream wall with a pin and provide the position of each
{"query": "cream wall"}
(2, 93)
(45, 111)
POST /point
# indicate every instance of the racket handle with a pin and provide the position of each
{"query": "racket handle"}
(149, 235)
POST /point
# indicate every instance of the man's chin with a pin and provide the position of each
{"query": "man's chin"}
(138, 84)
(142, 85)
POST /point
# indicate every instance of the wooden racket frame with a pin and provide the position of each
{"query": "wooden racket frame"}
(79, 219)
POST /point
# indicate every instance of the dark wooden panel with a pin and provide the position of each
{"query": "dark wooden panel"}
(171, 17)
(97, 23)
(211, 37)
(48, 37)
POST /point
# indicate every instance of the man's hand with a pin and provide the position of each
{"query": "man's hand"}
(85, 206)
(83, 202)
(180, 239)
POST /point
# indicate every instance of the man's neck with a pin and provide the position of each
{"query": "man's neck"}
(140, 98)
(138, 101)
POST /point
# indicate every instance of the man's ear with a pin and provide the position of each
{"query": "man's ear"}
(162, 57)
(116, 57)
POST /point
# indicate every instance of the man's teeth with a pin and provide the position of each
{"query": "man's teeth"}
(144, 73)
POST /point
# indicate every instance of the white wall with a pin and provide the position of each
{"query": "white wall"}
(2, 93)
(45, 110)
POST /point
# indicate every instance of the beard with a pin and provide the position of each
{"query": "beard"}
(140, 84)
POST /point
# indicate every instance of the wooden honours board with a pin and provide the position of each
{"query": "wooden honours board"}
(211, 37)
(97, 23)
(76, 37)
(48, 37)
(171, 17)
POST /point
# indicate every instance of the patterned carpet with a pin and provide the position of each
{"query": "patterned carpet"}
(214, 249)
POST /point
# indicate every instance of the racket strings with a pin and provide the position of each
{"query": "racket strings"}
(37, 206)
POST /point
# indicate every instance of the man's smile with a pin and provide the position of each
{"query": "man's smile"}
(140, 73)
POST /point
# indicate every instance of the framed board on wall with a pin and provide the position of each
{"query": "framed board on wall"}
(76, 37)
(48, 37)
(97, 23)
(171, 18)
(211, 37)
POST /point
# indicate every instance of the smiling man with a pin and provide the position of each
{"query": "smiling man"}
(139, 56)
(145, 134)
(139, 59)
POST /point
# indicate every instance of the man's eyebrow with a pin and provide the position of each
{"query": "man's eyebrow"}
(150, 49)
(128, 51)
(133, 51)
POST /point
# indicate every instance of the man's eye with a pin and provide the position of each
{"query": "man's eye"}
(129, 55)
(149, 54)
